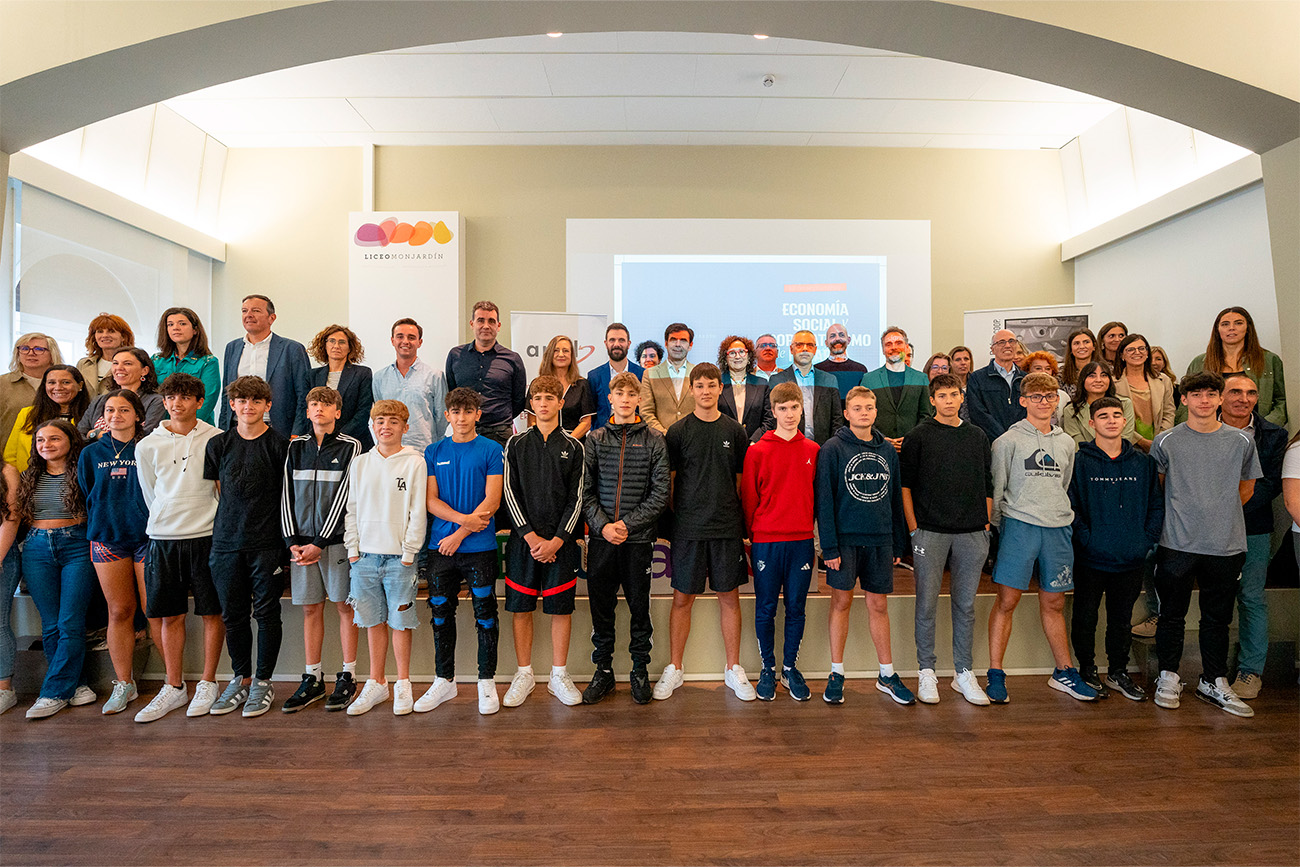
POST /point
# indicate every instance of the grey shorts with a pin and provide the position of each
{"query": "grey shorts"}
(327, 578)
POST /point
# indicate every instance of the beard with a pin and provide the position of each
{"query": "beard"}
(838, 347)
(616, 353)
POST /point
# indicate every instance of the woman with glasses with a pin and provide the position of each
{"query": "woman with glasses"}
(1095, 382)
(744, 394)
(1151, 395)
(340, 354)
(33, 354)
(105, 335)
(936, 365)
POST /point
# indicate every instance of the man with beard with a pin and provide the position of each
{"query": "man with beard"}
(820, 390)
(845, 370)
(617, 344)
(903, 393)
(765, 361)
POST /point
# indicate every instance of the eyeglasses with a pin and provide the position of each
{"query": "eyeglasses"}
(1009, 342)
(1043, 398)
(766, 346)
(737, 353)
(33, 350)
(803, 345)
(1136, 350)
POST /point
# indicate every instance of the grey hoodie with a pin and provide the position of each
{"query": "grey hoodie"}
(1031, 476)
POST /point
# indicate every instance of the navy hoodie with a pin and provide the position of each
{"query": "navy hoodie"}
(1119, 507)
(115, 509)
(859, 494)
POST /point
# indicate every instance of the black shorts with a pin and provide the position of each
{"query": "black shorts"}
(176, 569)
(526, 579)
(720, 561)
(873, 565)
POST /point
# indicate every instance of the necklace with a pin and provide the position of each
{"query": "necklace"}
(118, 453)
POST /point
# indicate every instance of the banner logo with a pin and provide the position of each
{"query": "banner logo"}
(391, 231)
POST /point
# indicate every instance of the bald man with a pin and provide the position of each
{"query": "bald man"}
(823, 409)
(993, 392)
(846, 371)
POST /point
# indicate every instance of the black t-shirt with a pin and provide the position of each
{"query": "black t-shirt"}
(251, 473)
(707, 456)
(950, 472)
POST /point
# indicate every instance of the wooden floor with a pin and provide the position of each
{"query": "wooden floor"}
(701, 778)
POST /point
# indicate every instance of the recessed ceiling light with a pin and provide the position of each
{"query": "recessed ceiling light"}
(555, 34)
(760, 35)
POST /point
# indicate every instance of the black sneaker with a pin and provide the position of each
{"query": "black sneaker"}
(642, 689)
(311, 689)
(1093, 679)
(1126, 687)
(345, 687)
(602, 684)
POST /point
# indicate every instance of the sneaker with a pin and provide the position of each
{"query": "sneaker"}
(97, 640)
(927, 687)
(792, 680)
(766, 684)
(738, 682)
(1093, 679)
(83, 696)
(561, 686)
(1168, 689)
(997, 687)
(168, 699)
(310, 690)
(260, 697)
(672, 678)
(834, 693)
(1068, 681)
(521, 686)
(1146, 628)
(893, 687)
(1221, 696)
(235, 694)
(1124, 685)
(488, 703)
(46, 707)
(205, 695)
(1247, 686)
(124, 692)
(965, 683)
(601, 685)
(8, 698)
(642, 692)
(345, 687)
(403, 698)
(372, 693)
(441, 690)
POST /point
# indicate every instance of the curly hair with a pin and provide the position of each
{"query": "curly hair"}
(725, 346)
(1029, 360)
(316, 349)
(109, 321)
(72, 498)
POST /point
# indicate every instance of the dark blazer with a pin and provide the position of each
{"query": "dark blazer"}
(598, 379)
(287, 372)
(828, 409)
(758, 408)
(358, 397)
(1270, 445)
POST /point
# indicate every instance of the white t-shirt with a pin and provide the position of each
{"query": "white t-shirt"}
(1291, 470)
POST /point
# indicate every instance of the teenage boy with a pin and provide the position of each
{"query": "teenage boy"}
(311, 514)
(706, 453)
(543, 492)
(182, 508)
(1118, 512)
(1032, 466)
(626, 490)
(948, 502)
(464, 474)
(777, 495)
(860, 518)
(1202, 462)
(384, 531)
(247, 549)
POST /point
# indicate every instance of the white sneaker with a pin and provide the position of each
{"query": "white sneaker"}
(1168, 689)
(561, 686)
(1220, 695)
(927, 687)
(520, 688)
(403, 701)
(738, 682)
(205, 695)
(168, 699)
(488, 703)
(83, 696)
(372, 693)
(442, 690)
(668, 682)
(124, 692)
(46, 707)
(8, 698)
(965, 683)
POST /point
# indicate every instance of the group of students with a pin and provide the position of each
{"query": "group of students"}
(799, 464)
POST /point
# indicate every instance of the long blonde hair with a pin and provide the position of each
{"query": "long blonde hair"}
(547, 367)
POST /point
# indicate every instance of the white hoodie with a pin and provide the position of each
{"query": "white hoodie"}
(182, 504)
(386, 504)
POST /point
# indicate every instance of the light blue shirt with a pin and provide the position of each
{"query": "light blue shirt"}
(424, 391)
(1009, 374)
(805, 383)
(677, 374)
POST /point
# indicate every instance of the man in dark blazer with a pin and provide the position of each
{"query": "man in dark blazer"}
(827, 408)
(282, 362)
(617, 346)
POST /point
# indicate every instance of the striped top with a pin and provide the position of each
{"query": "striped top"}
(47, 499)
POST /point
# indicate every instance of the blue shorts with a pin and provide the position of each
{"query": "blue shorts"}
(383, 591)
(111, 552)
(872, 565)
(1021, 545)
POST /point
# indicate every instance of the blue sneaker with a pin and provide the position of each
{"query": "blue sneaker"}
(792, 680)
(834, 689)
(892, 686)
(767, 684)
(1068, 681)
(997, 687)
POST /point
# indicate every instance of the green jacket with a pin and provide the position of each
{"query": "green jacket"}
(913, 405)
(1272, 388)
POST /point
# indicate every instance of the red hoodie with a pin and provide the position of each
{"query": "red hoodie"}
(776, 489)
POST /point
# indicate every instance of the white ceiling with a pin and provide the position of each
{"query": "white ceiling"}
(641, 88)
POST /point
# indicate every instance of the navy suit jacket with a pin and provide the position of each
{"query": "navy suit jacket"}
(358, 397)
(758, 408)
(828, 409)
(287, 372)
(598, 378)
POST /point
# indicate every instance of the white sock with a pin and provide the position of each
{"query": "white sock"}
(525, 668)
(837, 668)
(886, 669)
(559, 670)
(351, 668)
(316, 670)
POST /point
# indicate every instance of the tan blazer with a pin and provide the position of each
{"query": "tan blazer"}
(1162, 400)
(661, 404)
(95, 386)
(15, 394)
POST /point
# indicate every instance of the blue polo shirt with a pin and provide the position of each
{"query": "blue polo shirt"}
(461, 471)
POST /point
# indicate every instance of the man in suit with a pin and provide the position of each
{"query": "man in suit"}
(745, 396)
(902, 392)
(665, 390)
(617, 346)
(281, 362)
(821, 391)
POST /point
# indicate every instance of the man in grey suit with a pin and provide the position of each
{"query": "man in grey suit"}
(282, 362)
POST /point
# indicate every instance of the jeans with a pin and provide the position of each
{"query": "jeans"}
(479, 571)
(60, 577)
(781, 569)
(10, 572)
(1121, 590)
(929, 554)
(1252, 606)
(1176, 572)
(250, 583)
(610, 567)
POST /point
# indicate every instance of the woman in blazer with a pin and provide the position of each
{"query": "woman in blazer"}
(1152, 398)
(339, 349)
(744, 393)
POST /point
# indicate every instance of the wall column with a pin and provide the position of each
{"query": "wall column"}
(1282, 199)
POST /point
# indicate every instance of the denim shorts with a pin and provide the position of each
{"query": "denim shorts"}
(1021, 545)
(383, 591)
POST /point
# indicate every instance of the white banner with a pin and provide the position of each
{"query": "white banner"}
(406, 264)
(530, 332)
(1044, 328)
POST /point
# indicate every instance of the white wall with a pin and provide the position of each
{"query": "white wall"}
(1168, 282)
